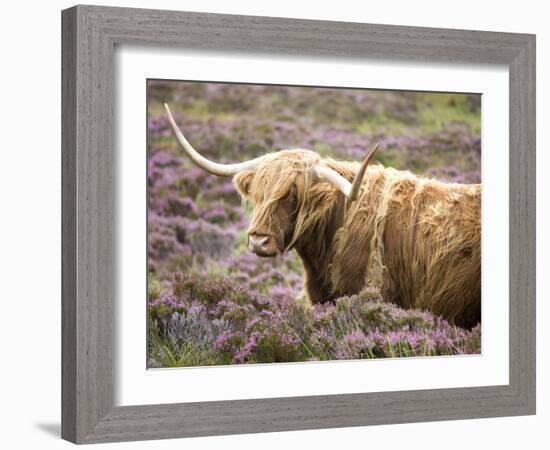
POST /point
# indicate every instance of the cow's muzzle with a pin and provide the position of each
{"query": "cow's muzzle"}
(262, 245)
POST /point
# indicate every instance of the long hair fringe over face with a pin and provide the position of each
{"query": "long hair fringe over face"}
(285, 197)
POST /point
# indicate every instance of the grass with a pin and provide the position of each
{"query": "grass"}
(165, 351)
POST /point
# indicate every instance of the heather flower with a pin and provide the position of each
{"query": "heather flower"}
(354, 345)
(246, 350)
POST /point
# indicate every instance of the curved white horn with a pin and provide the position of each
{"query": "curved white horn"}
(351, 191)
(224, 170)
(327, 174)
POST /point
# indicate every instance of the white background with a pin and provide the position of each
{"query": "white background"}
(136, 386)
(31, 207)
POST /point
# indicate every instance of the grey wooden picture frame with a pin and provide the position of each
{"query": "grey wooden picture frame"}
(90, 34)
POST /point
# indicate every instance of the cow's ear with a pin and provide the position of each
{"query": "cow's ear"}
(242, 182)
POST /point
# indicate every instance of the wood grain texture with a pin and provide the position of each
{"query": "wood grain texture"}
(89, 38)
(88, 210)
(68, 227)
(523, 225)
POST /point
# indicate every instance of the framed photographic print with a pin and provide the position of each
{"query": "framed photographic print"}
(278, 224)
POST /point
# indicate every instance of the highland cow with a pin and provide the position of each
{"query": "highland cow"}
(355, 225)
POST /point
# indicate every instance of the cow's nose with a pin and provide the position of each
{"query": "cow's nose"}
(260, 244)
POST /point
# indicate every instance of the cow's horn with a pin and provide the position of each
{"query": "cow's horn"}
(350, 190)
(333, 177)
(224, 170)
(356, 186)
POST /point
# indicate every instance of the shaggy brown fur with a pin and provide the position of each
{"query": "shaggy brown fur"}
(417, 239)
